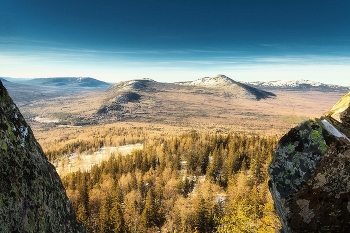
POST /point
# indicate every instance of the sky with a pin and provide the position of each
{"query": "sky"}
(182, 40)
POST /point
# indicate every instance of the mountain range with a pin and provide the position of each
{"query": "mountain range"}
(26, 90)
(220, 81)
(216, 100)
(67, 82)
(297, 85)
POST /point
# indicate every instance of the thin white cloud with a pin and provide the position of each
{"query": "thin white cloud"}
(165, 65)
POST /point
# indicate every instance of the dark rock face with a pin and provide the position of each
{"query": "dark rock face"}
(310, 174)
(32, 197)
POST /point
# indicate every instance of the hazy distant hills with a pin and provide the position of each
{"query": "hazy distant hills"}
(24, 93)
(68, 82)
(25, 90)
(300, 85)
(61, 82)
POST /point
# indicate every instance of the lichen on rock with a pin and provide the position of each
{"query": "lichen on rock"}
(32, 197)
(297, 156)
(310, 174)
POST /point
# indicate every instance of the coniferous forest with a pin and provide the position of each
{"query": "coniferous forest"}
(194, 182)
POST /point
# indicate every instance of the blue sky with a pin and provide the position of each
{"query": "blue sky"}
(115, 40)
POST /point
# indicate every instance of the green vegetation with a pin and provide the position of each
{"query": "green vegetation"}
(318, 138)
(188, 183)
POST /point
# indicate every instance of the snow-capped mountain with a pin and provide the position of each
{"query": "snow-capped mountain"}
(132, 84)
(297, 85)
(227, 84)
(218, 81)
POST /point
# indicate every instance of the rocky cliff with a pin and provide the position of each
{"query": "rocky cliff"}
(310, 173)
(32, 197)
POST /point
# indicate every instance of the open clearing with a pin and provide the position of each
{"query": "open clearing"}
(75, 162)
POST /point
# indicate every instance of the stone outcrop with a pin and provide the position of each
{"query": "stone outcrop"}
(32, 197)
(310, 173)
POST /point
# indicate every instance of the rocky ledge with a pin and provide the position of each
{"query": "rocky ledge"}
(310, 173)
(32, 197)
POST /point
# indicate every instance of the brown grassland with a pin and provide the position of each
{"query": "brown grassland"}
(174, 112)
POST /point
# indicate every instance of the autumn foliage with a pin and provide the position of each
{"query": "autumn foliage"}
(194, 182)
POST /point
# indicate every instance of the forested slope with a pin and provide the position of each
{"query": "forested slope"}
(194, 182)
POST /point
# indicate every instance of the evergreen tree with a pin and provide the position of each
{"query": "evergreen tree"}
(149, 216)
(82, 215)
(117, 218)
(105, 223)
(203, 159)
(204, 221)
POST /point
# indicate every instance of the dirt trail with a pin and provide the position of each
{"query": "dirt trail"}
(75, 162)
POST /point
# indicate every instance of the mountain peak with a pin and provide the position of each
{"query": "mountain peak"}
(131, 85)
(227, 84)
(217, 81)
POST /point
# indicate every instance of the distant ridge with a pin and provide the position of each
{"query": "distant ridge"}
(3, 80)
(43, 88)
(70, 82)
(22, 92)
(300, 84)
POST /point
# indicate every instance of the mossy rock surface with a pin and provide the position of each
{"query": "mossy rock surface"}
(32, 197)
(297, 156)
(310, 175)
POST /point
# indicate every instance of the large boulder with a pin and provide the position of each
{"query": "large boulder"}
(310, 174)
(32, 197)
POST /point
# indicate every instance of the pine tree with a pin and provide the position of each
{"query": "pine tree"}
(204, 159)
(202, 215)
(82, 215)
(105, 223)
(117, 218)
(149, 216)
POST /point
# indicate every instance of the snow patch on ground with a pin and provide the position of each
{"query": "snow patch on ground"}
(46, 120)
(75, 162)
